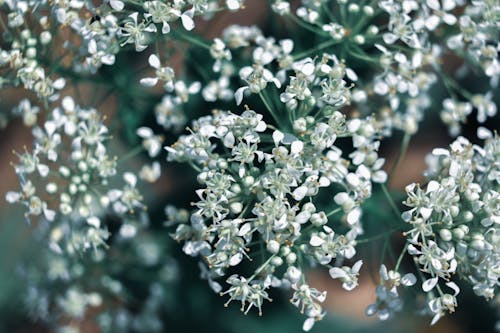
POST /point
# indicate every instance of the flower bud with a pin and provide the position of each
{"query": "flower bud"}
(445, 235)
(277, 261)
(273, 246)
(291, 258)
(293, 274)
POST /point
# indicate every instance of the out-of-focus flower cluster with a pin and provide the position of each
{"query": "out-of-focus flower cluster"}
(283, 135)
(67, 179)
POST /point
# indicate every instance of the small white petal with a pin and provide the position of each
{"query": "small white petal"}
(187, 20)
(432, 186)
(425, 212)
(453, 286)
(297, 147)
(149, 81)
(238, 95)
(144, 132)
(440, 152)
(59, 83)
(408, 280)
(94, 221)
(130, 178)
(308, 324)
(277, 137)
(353, 216)
(117, 5)
(154, 61)
(43, 170)
(316, 241)
(337, 273)
(357, 266)
(300, 192)
(12, 197)
(429, 284)
(236, 259)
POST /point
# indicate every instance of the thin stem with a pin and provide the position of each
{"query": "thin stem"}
(268, 106)
(307, 26)
(257, 272)
(3, 25)
(384, 234)
(131, 154)
(336, 210)
(391, 201)
(320, 47)
(402, 152)
(398, 263)
(189, 38)
(194, 166)
(384, 249)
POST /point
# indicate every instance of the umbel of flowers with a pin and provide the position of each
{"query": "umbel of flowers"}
(455, 221)
(283, 133)
(66, 180)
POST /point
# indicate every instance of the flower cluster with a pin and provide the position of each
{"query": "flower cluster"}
(259, 187)
(66, 179)
(454, 221)
(59, 286)
(284, 136)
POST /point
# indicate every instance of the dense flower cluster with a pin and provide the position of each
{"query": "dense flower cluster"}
(259, 188)
(67, 179)
(455, 221)
(283, 135)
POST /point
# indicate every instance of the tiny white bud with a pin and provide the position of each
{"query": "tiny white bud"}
(51, 188)
(31, 52)
(309, 207)
(73, 189)
(222, 164)
(64, 171)
(202, 177)
(82, 166)
(468, 216)
(291, 258)
(353, 8)
(248, 181)
(477, 244)
(45, 37)
(236, 207)
(368, 10)
(273, 246)
(235, 188)
(445, 235)
(319, 219)
(372, 30)
(293, 274)
(104, 201)
(359, 39)
(277, 261)
(84, 211)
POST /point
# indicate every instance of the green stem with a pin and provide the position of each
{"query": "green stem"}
(402, 152)
(257, 272)
(268, 106)
(398, 263)
(369, 239)
(391, 201)
(307, 26)
(190, 38)
(336, 210)
(320, 47)
(134, 152)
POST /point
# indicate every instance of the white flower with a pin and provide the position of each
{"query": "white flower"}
(152, 143)
(348, 275)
